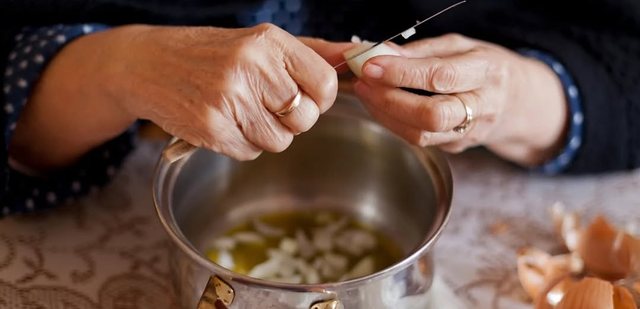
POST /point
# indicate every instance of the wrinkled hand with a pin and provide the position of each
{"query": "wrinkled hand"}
(219, 88)
(518, 104)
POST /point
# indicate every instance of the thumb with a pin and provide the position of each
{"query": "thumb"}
(330, 51)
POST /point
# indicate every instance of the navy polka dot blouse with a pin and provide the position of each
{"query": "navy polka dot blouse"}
(23, 191)
(34, 47)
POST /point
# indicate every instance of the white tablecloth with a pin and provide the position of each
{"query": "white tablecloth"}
(108, 251)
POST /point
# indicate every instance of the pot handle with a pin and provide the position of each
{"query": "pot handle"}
(217, 294)
(177, 150)
(327, 304)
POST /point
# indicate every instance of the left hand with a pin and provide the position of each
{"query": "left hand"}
(519, 109)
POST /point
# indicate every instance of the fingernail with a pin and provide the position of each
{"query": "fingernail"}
(361, 88)
(373, 70)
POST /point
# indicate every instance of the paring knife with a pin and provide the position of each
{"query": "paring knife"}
(406, 33)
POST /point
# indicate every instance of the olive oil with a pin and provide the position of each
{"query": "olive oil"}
(346, 248)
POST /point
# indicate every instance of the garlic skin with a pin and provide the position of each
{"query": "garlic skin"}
(356, 63)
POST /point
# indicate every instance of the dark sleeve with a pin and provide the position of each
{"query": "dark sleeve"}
(606, 68)
(23, 190)
(598, 41)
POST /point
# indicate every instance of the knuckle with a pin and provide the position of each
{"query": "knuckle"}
(281, 142)
(312, 118)
(454, 148)
(425, 139)
(475, 140)
(444, 76)
(411, 76)
(328, 89)
(402, 77)
(267, 29)
(248, 155)
(454, 37)
(435, 117)
(243, 49)
(387, 102)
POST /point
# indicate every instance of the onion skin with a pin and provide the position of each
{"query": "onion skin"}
(589, 293)
(603, 254)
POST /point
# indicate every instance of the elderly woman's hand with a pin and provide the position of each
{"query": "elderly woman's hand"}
(216, 88)
(518, 104)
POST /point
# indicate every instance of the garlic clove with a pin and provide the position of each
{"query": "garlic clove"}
(623, 299)
(606, 252)
(588, 293)
(356, 63)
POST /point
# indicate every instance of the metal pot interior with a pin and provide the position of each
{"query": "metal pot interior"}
(346, 163)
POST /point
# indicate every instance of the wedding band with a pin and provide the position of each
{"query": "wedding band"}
(464, 126)
(292, 105)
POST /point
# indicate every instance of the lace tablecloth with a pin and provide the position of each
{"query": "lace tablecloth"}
(108, 251)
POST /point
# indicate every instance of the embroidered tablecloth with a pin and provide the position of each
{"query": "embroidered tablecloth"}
(108, 251)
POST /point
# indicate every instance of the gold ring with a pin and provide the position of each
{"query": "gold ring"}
(292, 105)
(464, 126)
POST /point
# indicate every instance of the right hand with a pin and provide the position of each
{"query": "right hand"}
(218, 88)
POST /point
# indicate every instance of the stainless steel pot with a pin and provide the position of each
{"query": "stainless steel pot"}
(346, 162)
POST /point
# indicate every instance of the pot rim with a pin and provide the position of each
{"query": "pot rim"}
(444, 192)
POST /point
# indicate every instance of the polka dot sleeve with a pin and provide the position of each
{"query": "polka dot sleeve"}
(574, 134)
(22, 192)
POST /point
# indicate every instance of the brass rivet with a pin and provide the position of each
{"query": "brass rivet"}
(327, 304)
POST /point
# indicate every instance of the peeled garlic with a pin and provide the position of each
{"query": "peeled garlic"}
(356, 63)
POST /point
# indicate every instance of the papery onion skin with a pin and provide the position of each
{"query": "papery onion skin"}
(604, 255)
(589, 293)
(623, 299)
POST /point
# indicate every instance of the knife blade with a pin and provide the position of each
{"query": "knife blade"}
(400, 33)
